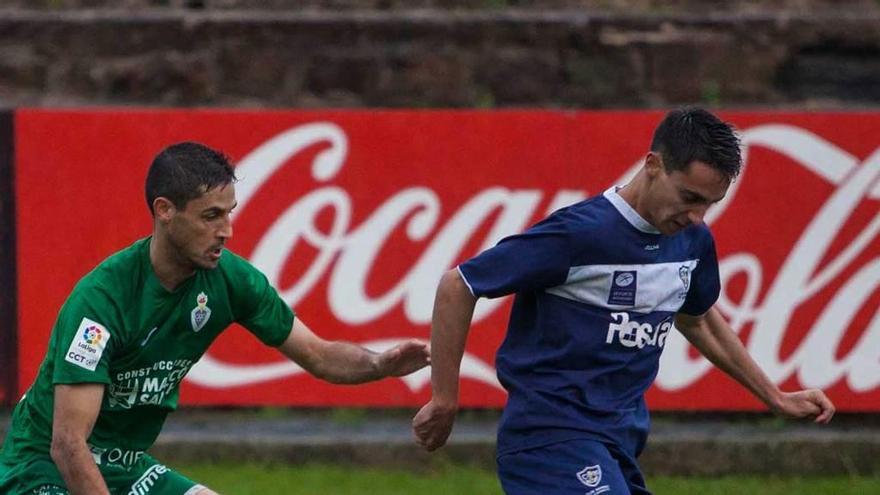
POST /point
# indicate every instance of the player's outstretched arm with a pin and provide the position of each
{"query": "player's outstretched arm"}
(714, 338)
(348, 363)
(451, 320)
(75, 412)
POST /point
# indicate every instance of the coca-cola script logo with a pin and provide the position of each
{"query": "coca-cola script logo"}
(347, 252)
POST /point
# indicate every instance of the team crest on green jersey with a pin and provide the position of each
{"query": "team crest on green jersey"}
(201, 313)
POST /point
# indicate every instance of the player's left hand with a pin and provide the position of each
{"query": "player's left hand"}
(812, 403)
(433, 424)
(404, 358)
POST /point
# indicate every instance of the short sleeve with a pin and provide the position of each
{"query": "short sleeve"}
(257, 306)
(84, 338)
(705, 282)
(533, 260)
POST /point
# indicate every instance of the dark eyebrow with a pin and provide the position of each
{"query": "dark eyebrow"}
(700, 197)
(217, 209)
(694, 194)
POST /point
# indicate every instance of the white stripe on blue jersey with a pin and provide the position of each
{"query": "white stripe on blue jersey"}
(661, 286)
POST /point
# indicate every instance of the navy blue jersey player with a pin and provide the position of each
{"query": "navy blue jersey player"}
(599, 286)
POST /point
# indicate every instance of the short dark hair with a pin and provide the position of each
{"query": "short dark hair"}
(689, 134)
(184, 171)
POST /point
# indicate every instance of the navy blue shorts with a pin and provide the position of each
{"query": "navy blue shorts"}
(576, 467)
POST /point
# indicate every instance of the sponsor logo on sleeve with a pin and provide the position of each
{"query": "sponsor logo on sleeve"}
(88, 344)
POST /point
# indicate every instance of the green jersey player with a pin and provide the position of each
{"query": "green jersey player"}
(134, 326)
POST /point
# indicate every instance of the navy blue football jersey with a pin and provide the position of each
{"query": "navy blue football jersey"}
(597, 288)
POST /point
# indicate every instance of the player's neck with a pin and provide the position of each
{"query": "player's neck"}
(167, 265)
(634, 194)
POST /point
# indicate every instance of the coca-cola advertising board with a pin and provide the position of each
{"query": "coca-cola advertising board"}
(355, 215)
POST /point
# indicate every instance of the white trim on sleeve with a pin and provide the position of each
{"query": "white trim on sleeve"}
(460, 273)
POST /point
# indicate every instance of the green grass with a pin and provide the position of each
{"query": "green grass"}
(247, 479)
(326, 480)
(740, 485)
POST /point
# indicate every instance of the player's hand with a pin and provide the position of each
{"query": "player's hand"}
(812, 403)
(404, 358)
(433, 424)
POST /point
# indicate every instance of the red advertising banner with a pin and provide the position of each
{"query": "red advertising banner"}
(355, 215)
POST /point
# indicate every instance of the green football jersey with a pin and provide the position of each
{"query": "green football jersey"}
(120, 327)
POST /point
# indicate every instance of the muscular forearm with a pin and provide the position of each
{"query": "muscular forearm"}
(717, 341)
(77, 467)
(720, 345)
(453, 310)
(347, 363)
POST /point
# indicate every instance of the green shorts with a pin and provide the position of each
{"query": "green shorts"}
(125, 472)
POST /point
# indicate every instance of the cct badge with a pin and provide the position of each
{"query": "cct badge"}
(201, 313)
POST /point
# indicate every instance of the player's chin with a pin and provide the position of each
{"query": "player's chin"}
(669, 229)
(207, 263)
(672, 227)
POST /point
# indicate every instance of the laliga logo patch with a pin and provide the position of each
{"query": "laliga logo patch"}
(201, 313)
(88, 344)
(92, 335)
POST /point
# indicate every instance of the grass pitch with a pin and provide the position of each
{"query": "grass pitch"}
(256, 479)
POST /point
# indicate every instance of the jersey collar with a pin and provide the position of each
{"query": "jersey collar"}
(627, 211)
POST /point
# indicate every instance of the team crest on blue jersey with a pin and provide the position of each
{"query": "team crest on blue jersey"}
(201, 313)
(684, 273)
(623, 288)
(590, 475)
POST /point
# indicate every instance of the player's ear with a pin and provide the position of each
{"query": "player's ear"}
(653, 164)
(164, 209)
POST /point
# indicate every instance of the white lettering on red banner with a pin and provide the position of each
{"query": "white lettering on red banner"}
(415, 210)
(355, 215)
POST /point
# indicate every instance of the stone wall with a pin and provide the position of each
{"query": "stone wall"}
(474, 54)
(637, 6)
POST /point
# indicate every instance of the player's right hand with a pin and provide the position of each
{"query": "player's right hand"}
(812, 403)
(433, 424)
